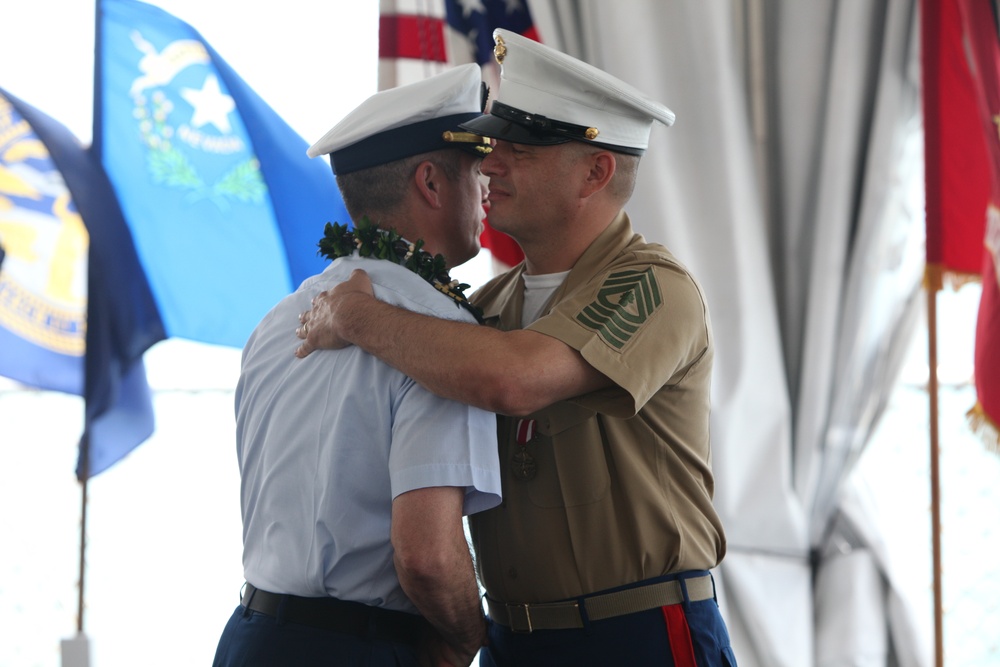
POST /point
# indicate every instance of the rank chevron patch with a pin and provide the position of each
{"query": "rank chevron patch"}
(624, 302)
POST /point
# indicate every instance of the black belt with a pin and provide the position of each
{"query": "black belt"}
(351, 618)
(566, 615)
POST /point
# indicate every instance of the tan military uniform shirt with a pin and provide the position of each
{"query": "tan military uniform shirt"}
(616, 486)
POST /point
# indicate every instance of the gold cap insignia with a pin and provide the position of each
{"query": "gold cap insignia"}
(484, 143)
(591, 133)
(500, 50)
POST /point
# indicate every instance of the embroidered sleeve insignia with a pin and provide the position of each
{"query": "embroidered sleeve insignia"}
(624, 302)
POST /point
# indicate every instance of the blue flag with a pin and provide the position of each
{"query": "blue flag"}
(220, 213)
(195, 210)
(69, 255)
(224, 207)
(43, 280)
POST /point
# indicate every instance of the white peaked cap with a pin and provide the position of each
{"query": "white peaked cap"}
(548, 97)
(408, 120)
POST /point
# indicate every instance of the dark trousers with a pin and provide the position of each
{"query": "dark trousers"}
(253, 639)
(635, 640)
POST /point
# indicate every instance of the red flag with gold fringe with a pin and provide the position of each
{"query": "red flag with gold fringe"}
(979, 23)
(985, 415)
(957, 180)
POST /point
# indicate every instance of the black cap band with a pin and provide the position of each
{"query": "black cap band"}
(539, 124)
(400, 142)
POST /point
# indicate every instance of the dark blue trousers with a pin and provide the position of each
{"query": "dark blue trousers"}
(635, 640)
(252, 639)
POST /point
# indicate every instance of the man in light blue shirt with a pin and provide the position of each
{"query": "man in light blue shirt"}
(355, 478)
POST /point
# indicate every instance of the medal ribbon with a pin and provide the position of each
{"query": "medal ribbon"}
(525, 430)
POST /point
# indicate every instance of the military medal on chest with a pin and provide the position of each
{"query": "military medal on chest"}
(522, 463)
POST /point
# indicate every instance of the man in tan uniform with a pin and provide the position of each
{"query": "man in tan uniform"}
(598, 361)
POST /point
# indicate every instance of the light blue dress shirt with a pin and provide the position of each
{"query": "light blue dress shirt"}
(325, 443)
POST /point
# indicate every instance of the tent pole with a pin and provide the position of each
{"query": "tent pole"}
(932, 390)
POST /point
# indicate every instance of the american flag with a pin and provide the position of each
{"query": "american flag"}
(419, 38)
(474, 21)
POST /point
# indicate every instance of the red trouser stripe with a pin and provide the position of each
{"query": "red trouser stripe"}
(679, 635)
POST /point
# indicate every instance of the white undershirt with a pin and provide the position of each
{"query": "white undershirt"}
(537, 292)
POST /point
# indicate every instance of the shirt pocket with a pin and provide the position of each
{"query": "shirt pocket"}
(572, 468)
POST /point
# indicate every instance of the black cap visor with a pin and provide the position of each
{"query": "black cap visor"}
(520, 127)
(508, 130)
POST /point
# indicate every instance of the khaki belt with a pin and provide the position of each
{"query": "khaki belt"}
(567, 615)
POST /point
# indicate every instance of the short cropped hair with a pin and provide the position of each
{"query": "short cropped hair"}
(622, 184)
(379, 191)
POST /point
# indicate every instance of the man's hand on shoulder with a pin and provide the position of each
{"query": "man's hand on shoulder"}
(321, 327)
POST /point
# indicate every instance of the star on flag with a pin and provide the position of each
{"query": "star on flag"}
(210, 104)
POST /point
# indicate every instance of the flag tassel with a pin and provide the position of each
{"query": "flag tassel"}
(984, 427)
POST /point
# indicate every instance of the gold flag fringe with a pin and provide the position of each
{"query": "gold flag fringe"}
(936, 276)
(984, 427)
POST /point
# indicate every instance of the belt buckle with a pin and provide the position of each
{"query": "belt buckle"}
(515, 626)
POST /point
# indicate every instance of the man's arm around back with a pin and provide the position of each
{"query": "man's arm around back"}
(435, 569)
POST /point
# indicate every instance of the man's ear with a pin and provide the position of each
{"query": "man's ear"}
(602, 167)
(427, 178)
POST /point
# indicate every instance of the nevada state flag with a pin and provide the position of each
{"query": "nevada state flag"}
(223, 204)
(221, 210)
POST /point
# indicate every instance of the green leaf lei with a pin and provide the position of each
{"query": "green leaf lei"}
(370, 240)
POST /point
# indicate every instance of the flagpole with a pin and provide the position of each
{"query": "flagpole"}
(75, 651)
(85, 470)
(933, 284)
